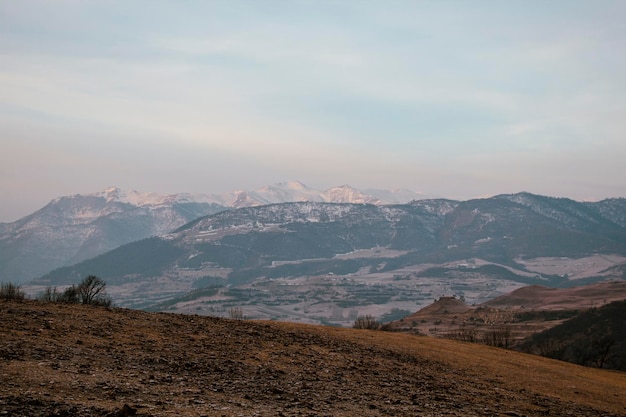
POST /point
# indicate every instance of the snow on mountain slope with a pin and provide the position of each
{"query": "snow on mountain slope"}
(569, 212)
(294, 191)
(73, 228)
(136, 198)
(397, 195)
(282, 192)
(347, 194)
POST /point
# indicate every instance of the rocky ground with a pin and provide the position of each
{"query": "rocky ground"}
(61, 360)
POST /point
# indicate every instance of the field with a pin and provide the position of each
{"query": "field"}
(61, 360)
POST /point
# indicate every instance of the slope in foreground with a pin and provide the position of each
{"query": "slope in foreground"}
(78, 360)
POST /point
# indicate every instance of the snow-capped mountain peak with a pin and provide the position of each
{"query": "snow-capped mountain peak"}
(281, 192)
(347, 194)
(133, 197)
(111, 193)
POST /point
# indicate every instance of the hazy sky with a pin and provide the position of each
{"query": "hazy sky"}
(457, 99)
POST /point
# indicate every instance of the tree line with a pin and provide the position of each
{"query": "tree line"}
(90, 291)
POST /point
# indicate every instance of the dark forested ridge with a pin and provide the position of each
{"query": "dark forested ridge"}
(596, 337)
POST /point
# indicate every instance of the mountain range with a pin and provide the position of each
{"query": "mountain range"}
(73, 228)
(381, 253)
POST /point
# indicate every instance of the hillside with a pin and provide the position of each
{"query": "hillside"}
(538, 297)
(61, 360)
(514, 316)
(596, 337)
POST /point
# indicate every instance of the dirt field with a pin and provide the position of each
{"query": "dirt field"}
(60, 360)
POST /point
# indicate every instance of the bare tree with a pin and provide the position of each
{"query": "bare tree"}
(603, 348)
(498, 336)
(91, 291)
(89, 288)
(465, 333)
(69, 295)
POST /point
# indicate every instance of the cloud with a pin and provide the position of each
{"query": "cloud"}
(434, 96)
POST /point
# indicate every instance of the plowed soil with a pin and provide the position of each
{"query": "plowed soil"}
(71, 360)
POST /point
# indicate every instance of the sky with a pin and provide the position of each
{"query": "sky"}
(455, 99)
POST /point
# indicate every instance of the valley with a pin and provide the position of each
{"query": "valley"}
(338, 299)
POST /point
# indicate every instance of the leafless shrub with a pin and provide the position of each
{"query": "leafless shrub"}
(50, 295)
(366, 322)
(551, 348)
(69, 295)
(387, 327)
(235, 313)
(10, 291)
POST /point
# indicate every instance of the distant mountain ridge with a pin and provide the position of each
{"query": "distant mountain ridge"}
(295, 191)
(73, 228)
(282, 192)
(304, 239)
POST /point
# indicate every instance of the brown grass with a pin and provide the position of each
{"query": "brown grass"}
(79, 360)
